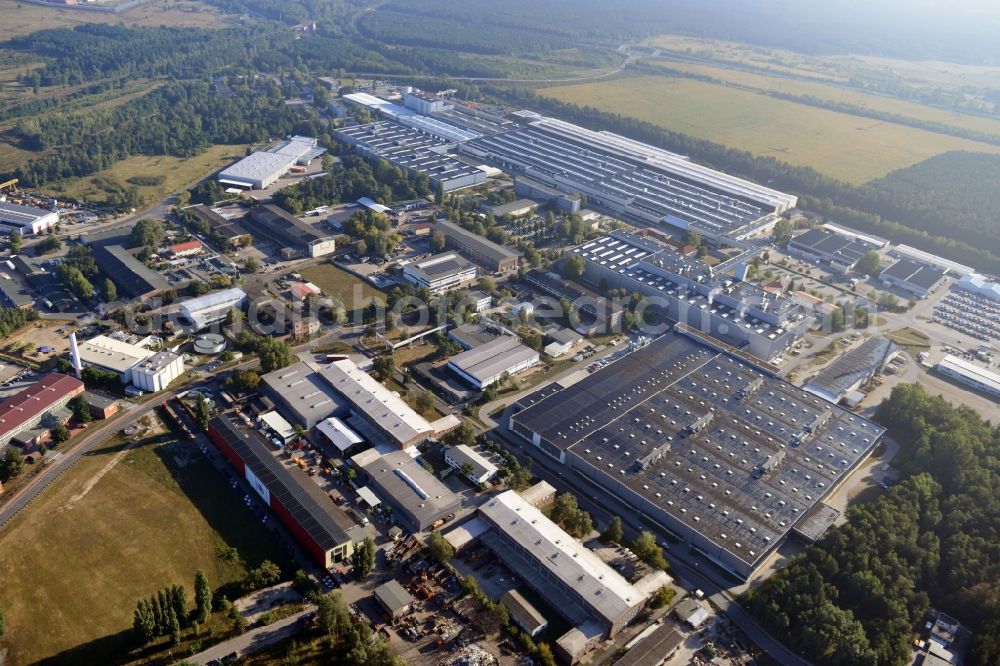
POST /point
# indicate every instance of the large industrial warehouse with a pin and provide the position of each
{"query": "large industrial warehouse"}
(292, 236)
(326, 532)
(725, 456)
(684, 290)
(26, 220)
(261, 169)
(417, 496)
(415, 149)
(631, 178)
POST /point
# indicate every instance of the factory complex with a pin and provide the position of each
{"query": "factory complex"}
(688, 291)
(714, 449)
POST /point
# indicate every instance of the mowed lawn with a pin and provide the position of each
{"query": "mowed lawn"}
(848, 147)
(118, 526)
(176, 173)
(349, 288)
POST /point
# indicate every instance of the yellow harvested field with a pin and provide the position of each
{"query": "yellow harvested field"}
(840, 95)
(177, 174)
(21, 18)
(848, 147)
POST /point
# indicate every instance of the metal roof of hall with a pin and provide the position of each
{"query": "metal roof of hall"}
(735, 454)
(327, 525)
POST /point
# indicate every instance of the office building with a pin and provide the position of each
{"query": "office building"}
(708, 445)
(26, 220)
(970, 374)
(38, 404)
(186, 249)
(154, 373)
(293, 237)
(323, 530)
(426, 104)
(475, 467)
(491, 256)
(916, 279)
(487, 364)
(440, 272)
(212, 308)
(418, 498)
(684, 290)
(631, 179)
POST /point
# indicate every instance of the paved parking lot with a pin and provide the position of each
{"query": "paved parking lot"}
(977, 316)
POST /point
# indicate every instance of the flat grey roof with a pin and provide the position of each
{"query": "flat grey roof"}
(397, 478)
(919, 275)
(492, 358)
(653, 649)
(131, 275)
(631, 419)
(477, 243)
(304, 392)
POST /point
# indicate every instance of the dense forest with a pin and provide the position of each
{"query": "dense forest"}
(930, 542)
(864, 208)
(180, 119)
(920, 31)
(957, 193)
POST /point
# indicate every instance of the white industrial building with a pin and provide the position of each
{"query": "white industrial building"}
(921, 257)
(155, 373)
(980, 285)
(209, 309)
(426, 104)
(26, 220)
(112, 355)
(261, 169)
(278, 426)
(440, 272)
(339, 434)
(484, 365)
(480, 469)
(970, 374)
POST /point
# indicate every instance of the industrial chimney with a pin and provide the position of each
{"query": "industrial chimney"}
(74, 354)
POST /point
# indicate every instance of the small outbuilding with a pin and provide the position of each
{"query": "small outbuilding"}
(394, 598)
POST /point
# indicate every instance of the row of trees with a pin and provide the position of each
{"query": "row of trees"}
(854, 597)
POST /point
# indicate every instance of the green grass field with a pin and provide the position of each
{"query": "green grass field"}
(910, 338)
(788, 131)
(176, 173)
(117, 526)
(336, 282)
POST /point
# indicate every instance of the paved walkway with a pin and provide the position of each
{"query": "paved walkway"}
(252, 641)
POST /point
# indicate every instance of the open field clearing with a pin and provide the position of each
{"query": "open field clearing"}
(835, 67)
(21, 18)
(175, 173)
(837, 94)
(122, 523)
(788, 131)
(336, 282)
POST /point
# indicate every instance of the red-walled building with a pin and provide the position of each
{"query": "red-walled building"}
(326, 532)
(39, 402)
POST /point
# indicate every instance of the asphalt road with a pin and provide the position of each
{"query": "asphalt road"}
(67, 460)
(253, 640)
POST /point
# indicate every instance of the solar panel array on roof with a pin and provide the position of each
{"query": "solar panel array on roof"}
(325, 524)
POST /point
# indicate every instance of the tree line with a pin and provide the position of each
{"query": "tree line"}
(857, 595)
